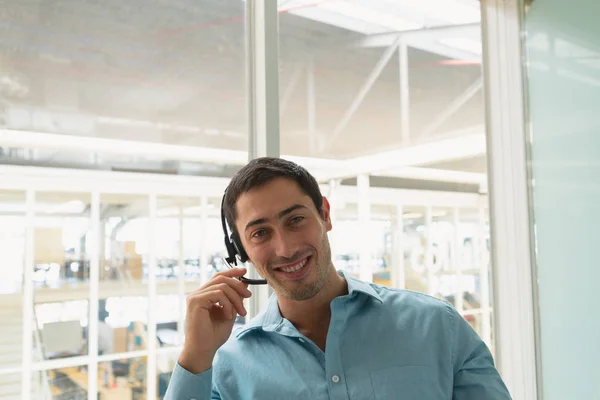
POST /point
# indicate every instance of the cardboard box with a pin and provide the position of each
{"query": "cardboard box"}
(129, 248)
(49, 246)
(120, 340)
(135, 266)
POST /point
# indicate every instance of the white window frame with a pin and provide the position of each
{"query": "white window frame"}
(510, 206)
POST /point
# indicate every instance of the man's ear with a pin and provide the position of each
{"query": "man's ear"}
(326, 214)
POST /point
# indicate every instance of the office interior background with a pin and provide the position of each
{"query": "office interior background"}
(455, 139)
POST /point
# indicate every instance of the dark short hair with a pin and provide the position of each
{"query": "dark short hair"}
(261, 171)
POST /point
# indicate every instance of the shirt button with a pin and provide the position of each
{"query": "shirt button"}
(300, 339)
(335, 379)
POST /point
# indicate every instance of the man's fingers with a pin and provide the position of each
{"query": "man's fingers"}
(210, 299)
(232, 273)
(240, 287)
(236, 300)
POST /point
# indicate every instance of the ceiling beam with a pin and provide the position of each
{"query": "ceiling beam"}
(463, 144)
(428, 39)
(456, 148)
(433, 174)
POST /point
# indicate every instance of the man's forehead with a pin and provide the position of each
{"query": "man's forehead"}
(269, 200)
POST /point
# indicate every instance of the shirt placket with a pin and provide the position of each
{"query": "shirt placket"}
(336, 380)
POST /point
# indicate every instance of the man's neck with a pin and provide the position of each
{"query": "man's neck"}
(313, 314)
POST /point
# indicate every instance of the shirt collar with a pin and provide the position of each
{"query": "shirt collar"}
(271, 320)
(357, 286)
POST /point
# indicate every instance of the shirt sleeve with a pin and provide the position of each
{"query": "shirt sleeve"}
(475, 376)
(187, 386)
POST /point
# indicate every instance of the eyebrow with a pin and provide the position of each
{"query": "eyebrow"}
(281, 214)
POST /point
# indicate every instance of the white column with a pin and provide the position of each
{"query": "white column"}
(364, 217)
(510, 218)
(152, 300)
(429, 251)
(204, 240)
(94, 257)
(484, 279)
(311, 108)
(397, 269)
(404, 93)
(181, 279)
(333, 198)
(262, 37)
(457, 261)
(262, 34)
(28, 296)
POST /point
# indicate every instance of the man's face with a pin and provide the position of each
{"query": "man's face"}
(285, 237)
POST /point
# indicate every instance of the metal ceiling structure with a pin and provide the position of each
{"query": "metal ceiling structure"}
(164, 82)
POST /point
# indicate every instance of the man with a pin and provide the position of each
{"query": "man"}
(323, 335)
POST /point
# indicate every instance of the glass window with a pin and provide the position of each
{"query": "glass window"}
(415, 244)
(125, 233)
(123, 324)
(169, 316)
(61, 274)
(340, 80)
(61, 329)
(122, 379)
(165, 364)
(12, 248)
(143, 73)
(178, 238)
(61, 383)
(563, 91)
(61, 234)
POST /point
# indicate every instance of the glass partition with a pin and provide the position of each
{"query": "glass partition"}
(179, 238)
(12, 248)
(415, 246)
(61, 234)
(60, 383)
(563, 91)
(123, 324)
(125, 240)
(61, 275)
(122, 379)
(165, 364)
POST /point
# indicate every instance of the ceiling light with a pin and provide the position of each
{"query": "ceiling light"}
(412, 216)
(370, 15)
(449, 11)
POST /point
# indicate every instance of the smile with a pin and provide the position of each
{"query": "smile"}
(295, 267)
(295, 271)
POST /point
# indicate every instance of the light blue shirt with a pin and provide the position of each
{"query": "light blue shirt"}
(382, 343)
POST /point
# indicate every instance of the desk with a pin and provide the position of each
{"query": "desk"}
(119, 393)
(68, 381)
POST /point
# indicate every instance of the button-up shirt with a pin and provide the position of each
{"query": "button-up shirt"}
(382, 343)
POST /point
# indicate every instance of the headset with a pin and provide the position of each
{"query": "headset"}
(235, 250)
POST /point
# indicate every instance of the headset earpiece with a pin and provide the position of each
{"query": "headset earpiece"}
(231, 251)
(237, 243)
(234, 247)
(233, 243)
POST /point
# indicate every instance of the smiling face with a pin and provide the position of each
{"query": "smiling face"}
(285, 237)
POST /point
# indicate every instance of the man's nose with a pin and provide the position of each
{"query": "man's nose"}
(285, 245)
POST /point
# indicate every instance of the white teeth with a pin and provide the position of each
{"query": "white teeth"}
(294, 268)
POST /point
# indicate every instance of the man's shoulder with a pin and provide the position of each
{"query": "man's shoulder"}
(410, 299)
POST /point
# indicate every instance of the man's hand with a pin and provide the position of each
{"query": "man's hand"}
(211, 313)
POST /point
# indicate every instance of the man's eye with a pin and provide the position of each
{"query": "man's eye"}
(259, 233)
(296, 219)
